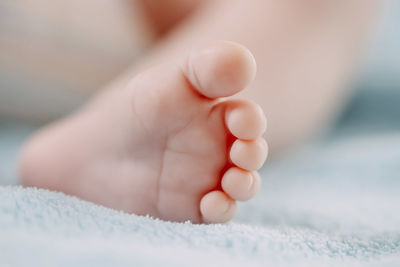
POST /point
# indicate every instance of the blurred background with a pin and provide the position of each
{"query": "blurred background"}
(53, 54)
(39, 83)
(337, 196)
(376, 105)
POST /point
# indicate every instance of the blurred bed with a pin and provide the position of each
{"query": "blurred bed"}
(335, 201)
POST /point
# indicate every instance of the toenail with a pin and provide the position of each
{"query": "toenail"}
(251, 182)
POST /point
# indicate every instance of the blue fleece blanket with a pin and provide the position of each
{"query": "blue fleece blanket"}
(334, 202)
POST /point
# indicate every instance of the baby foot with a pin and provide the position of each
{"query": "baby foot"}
(166, 145)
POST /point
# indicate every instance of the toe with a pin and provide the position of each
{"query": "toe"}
(239, 184)
(217, 207)
(245, 119)
(220, 69)
(249, 155)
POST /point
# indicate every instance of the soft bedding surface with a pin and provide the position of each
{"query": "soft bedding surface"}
(334, 202)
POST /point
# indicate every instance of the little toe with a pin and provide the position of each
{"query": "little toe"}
(221, 69)
(239, 184)
(217, 207)
(245, 119)
(249, 155)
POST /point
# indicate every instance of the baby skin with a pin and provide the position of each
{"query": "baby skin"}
(167, 143)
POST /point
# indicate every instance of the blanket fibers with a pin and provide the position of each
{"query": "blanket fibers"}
(333, 203)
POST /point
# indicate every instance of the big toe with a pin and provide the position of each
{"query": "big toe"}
(221, 69)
